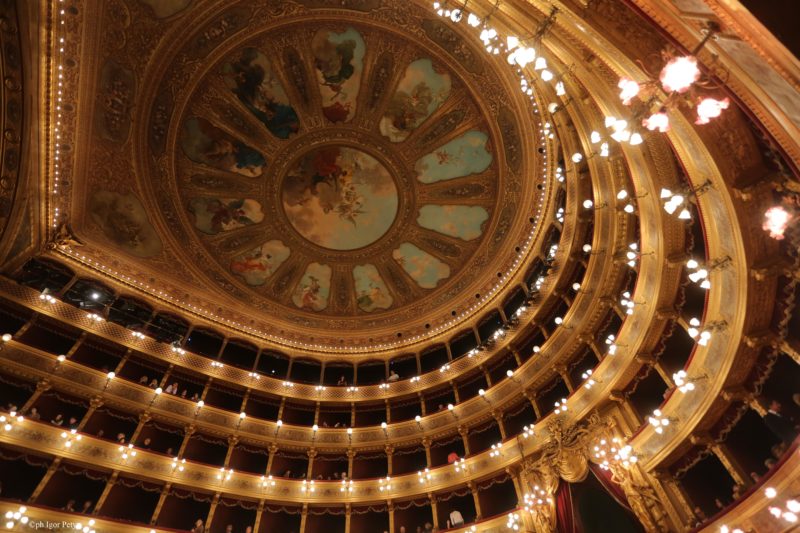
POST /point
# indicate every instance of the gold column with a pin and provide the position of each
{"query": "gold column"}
(212, 510)
(389, 449)
(434, 511)
(259, 516)
(498, 417)
(312, 453)
(161, 499)
(531, 397)
(562, 371)
(45, 479)
(41, 387)
(102, 499)
(350, 455)
(474, 490)
(426, 442)
(144, 418)
(390, 506)
(464, 431)
(189, 430)
(303, 518)
(233, 440)
(273, 449)
(347, 511)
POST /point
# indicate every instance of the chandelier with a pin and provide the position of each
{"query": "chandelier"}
(681, 79)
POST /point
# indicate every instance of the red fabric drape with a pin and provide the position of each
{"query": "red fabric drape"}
(565, 512)
(616, 492)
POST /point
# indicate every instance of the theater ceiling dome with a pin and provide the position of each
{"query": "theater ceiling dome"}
(340, 179)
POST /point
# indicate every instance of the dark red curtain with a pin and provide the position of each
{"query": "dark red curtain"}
(611, 487)
(565, 512)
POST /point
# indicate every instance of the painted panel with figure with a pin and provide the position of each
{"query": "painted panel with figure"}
(461, 221)
(339, 60)
(371, 291)
(339, 198)
(215, 215)
(425, 269)
(460, 157)
(420, 92)
(204, 143)
(251, 78)
(123, 221)
(314, 288)
(258, 264)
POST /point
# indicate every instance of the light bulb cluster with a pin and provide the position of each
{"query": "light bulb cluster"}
(11, 420)
(627, 303)
(683, 382)
(527, 431)
(225, 474)
(776, 220)
(460, 465)
(630, 206)
(424, 475)
(47, 297)
(141, 336)
(658, 421)
(308, 486)
(696, 331)
(267, 481)
(217, 364)
(347, 486)
(588, 380)
(673, 202)
(613, 452)
(497, 450)
(385, 484)
(698, 274)
(537, 499)
(633, 254)
(445, 367)
(94, 317)
(16, 517)
(254, 375)
(611, 342)
(513, 522)
(178, 464)
(126, 451)
(560, 406)
(70, 437)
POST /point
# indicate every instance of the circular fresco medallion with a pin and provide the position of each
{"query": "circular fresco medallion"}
(339, 198)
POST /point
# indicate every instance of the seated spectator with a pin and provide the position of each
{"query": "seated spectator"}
(195, 397)
(87, 507)
(70, 507)
(169, 452)
(58, 420)
(34, 414)
(168, 390)
(100, 433)
(229, 528)
(143, 380)
(452, 457)
(154, 383)
(73, 423)
(248, 529)
(198, 526)
(121, 438)
(145, 445)
(455, 519)
(342, 382)
(175, 388)
(393, 376)
(183, 393)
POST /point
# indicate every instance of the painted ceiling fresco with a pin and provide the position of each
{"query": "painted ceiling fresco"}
(300, 209)
(339, 198)
(318, 165)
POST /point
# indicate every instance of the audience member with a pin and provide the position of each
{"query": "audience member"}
(33, 414)
(183, 393)
(198, 526)
(168, 390)
(248, 529)
(121, 438)
(780, 425)
(393, 376)
(143, 380)
(175, 388)
(58, 420)
(145, 445)
(342, 382)
(455, 519)
(70, 507)
(73, 423)
(87, 507)
(229, 528)
(154, 383)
